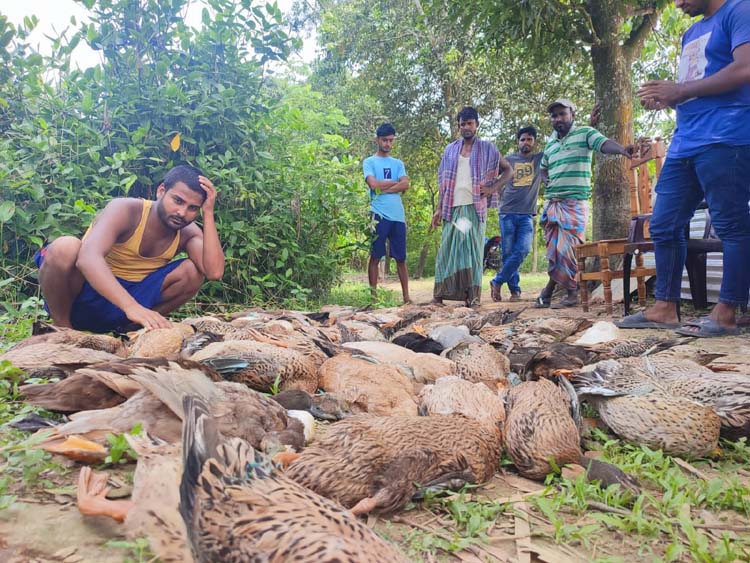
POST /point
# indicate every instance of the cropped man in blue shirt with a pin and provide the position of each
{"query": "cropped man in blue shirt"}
(709, 158)
(386, 177)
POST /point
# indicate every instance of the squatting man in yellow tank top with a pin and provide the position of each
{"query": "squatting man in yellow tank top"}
(122, 270)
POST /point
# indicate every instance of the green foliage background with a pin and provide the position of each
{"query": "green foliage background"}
(283, 143)
(71, 140)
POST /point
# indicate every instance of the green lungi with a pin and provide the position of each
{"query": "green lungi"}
(458, 267)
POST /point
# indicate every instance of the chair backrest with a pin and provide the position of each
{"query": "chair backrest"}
(640, 177)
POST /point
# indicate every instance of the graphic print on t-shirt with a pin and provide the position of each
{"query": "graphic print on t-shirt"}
(693, 61)
(387, 174)
(523, 174)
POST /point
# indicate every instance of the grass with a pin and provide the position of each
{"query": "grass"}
(666, 520)
(137, 551)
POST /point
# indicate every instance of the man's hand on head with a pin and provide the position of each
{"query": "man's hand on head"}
(208, 187)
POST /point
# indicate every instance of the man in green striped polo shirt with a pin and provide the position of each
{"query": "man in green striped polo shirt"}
(566, 171)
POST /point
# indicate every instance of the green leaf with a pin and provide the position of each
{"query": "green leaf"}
(7, 210)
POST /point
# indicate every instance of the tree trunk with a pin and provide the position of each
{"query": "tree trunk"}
(612, 67)
(422, 262)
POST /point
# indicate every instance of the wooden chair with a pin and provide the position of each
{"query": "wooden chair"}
(640, 205)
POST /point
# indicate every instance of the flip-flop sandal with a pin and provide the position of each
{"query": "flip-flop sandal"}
(639, 320)
(707, 328)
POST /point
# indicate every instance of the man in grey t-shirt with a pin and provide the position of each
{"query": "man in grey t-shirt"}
(518, 204)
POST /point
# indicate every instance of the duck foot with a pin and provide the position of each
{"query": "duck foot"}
(91, 497)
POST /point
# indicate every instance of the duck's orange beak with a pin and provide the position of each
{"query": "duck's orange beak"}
(567, 373)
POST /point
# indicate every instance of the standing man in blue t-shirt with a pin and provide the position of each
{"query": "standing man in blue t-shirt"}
(386, 177)
(709, 157)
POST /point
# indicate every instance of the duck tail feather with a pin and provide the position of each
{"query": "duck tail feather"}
(226, 366)
(200, 439)
(329, 347)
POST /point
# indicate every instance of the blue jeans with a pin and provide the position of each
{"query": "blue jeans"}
(517, 232)
(721, 175)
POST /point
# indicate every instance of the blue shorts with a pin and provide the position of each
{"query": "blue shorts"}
(395, 232)
(94, 313)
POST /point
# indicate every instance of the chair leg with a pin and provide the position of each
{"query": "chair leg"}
(627, 261)
(606, 274)
(583, 289)
(641, 279)
(696, 268)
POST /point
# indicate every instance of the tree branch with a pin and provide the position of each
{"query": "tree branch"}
(586, 29)
(638, 35)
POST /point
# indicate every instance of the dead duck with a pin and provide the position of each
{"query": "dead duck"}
(371, 463)
(560, 358)
(259, 364)
(153, 508)
(727, 393)
(160, 342)
(420, 367)
(557, 358)
(640, 410)
(239, 411)
(417, 342)
(354, 331)
(77, 339)
(99, 386)
(535, 332)
(323, 406)
(541, 429)
(368, 385)
(52, 359)
(480, 362)
(453, 395)
(237, 507)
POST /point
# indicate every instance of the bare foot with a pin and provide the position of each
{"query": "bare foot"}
(662, 312)
(723, 314)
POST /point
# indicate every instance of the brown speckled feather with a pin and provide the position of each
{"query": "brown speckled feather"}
(479, 362)
(539, 428)
(640, 409)
(101, 342)
(52, 359)
(349, 463)
(453, 395)
(265, 362)
(238, 508)
(726, 392)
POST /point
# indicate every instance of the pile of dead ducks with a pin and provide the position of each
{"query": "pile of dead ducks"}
(266, 435)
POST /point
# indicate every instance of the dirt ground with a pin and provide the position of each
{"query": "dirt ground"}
(47, 527)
